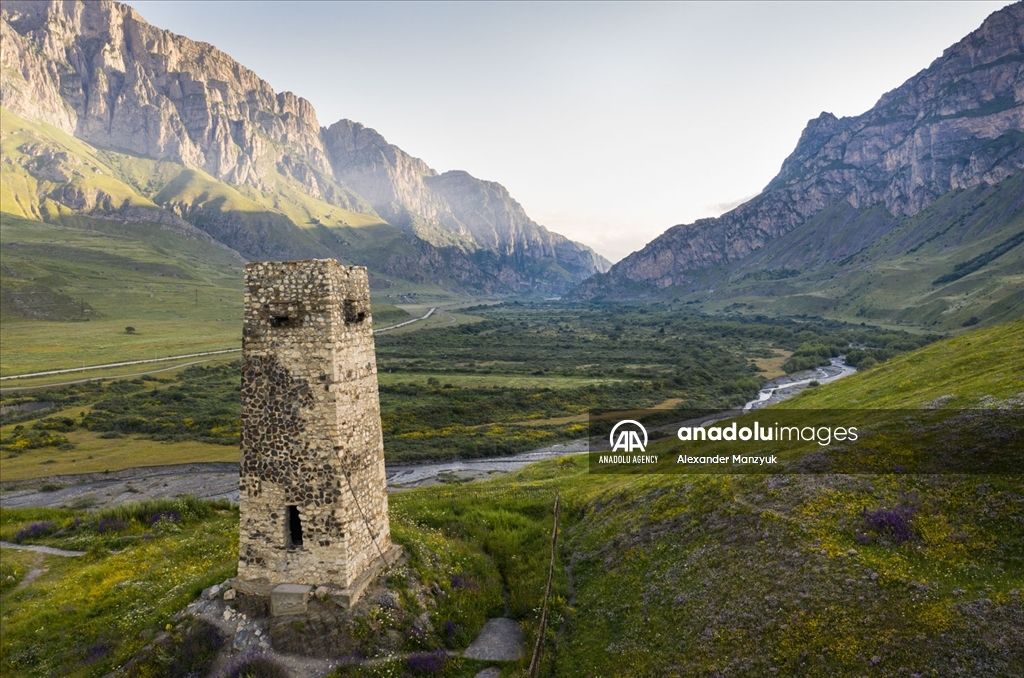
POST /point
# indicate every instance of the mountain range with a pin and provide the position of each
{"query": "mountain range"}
(912, 211)
(173, 131)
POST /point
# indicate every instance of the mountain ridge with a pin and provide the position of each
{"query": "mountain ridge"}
(99, 72)
(956, 125)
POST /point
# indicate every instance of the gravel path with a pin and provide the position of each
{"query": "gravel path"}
(500, 639)
(41, 549)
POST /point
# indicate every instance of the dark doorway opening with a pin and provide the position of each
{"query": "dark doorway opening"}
(294, 526)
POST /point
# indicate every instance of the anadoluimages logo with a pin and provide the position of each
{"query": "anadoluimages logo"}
(628, 439)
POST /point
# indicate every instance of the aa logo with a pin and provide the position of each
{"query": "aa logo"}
(628, 439)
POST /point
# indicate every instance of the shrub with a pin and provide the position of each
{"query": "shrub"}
(427, 663)
(254, 665)
(35, 531)
(894, 523)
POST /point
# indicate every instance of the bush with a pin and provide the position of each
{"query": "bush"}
(891, 523)
(427, 663)
(35, 531)
(32, 439)
(255, 666)
(189, 652)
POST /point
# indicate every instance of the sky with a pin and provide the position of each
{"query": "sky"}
(609, 122)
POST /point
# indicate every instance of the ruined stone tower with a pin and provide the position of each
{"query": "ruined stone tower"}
(312, 499)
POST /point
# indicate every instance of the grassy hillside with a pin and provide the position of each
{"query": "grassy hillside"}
(956, 263)
(983, 368)
(70, 290)
(89, 246)
(812, 575)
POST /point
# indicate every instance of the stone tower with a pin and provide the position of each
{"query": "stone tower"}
(312, 493)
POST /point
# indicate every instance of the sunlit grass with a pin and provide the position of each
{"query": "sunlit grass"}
(98, 610)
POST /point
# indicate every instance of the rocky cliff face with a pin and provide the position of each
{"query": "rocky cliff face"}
(98, 71)
(454, 208)
(388, 177)
(958, 124)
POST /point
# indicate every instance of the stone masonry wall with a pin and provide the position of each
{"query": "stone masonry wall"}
(311, 443)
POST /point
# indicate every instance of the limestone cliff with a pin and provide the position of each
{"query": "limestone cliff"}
(100, 72)
(453, 208)
(958, 124)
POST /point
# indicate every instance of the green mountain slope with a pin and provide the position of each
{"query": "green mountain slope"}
(70, 289)
(958, 262)
(816, 574)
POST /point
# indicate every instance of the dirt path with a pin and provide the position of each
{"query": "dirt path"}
(36, 569)
(121, 364)
(41, 549)
(118, 376)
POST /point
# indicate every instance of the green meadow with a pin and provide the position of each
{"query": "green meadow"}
(817, 574)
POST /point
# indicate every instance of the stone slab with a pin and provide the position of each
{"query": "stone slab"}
(288, 599)
(348, 597)
(500, 640)
(252, 587)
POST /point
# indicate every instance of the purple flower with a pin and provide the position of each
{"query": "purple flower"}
(172, 516)
(892, 522)
(35, 531)
(460, 582)
(97, 651)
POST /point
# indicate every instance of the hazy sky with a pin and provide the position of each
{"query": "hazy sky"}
(608, 122)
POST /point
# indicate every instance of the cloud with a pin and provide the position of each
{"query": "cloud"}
(720, 208)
